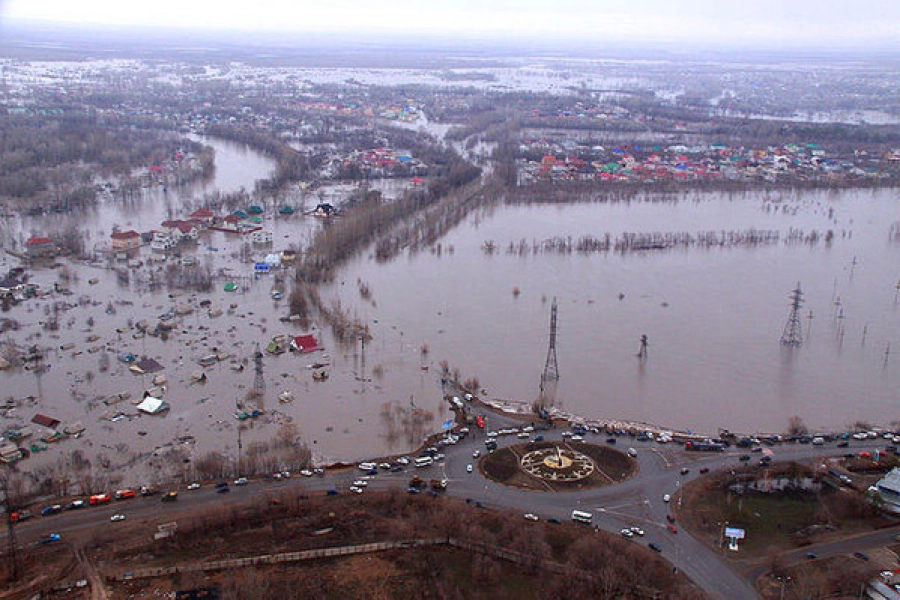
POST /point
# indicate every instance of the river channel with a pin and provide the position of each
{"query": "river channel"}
(713, 318)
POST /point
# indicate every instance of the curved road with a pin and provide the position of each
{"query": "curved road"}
(637, 501)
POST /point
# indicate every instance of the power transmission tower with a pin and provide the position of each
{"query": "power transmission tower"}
(551, 367)
(259, 383)
(793, 331)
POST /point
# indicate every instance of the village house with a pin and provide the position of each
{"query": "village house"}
(40, 247)
(125, 240)
(180, 230)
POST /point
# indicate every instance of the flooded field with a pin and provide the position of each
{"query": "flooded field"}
(713, 318)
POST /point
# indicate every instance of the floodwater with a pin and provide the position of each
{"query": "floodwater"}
(713, 319)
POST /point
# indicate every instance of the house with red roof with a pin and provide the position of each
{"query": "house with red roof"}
(36, 247)
(304, 343)
(125, 240)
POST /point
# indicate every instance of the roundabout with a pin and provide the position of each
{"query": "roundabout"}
(557, 466)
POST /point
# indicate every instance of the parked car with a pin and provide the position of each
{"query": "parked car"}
(53, 537)
(117, 517)
(361, 483)
(532, 517)
(704, 470)
(51, 510)
(666, 497)
(356, 490)
(672, 528)
(685, 470)
(241, 481)
(194, 486)
(655, 547)
(223, 490)
(627, 533)
(170, 496)
(637, 531)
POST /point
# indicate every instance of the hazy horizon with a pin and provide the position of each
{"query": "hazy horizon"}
(767, 25)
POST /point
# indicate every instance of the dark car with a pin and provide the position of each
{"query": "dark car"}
(744, 458)
(655, 547)
(861, 556)
(221, 484)
(554, 520)
(372, 472)
(332, 493)
(412, 490)
(685, 470)
(670, 518)
(223, 490)
(610, 440)
(812, 555)
(51, 510)
(396, 468)
(704, 470)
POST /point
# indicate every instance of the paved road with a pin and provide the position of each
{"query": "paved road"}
(638, 501)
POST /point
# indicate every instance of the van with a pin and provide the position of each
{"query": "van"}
(424, 461)
(818, 441)
(367, 466)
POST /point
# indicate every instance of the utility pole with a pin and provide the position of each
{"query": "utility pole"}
(793, 330)
(259, 383)
(551, 367)
(642, 353)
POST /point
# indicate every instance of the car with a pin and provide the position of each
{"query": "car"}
(194, 486)
(670, 518)
(147, 490)
(356, 490)
(241, 481)
(704, 470)
(532, 517)
(396, 468)
(52, 537)
(117, 517)
(554, 520)
(627, 533)
(758, 449)
(412, 490)
(744, 457)
(667, 498)
(331, 492)
(637, 531)
(221, 484)
(672, 528)
(576, 438)
(403, 460)
(125, 494)
(76, 504)
(20, 515)
(53, 509)
(610, 440)
(843, 444)
(523, 435)
(469, 468)
(476, 454)
(367, 466)
(685, 470)
(861, 556)
(287, 474)
(385, 465)
(361, 483)
(223, 490)
(811, 556)
(170, 496)
(537, 438)
(655, 547)
(305, 473)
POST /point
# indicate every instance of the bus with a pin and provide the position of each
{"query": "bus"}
(582, 516)
(424, 461)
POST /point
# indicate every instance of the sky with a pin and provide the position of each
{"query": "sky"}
(846, 24)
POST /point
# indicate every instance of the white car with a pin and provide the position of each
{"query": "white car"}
(403, 460)
(469, 468)
(356, 490)
(476, 454)
(666, 498)
(305, 473)
(637, 531)
(117, 517)
(627, 533)
(367, 466)
(532, 517)
(193, 486)
(241, 481)
(360, 483)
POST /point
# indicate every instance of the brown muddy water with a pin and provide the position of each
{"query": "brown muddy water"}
(713, 318)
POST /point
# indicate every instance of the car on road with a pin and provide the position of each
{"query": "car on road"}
(367, 466)
(356, 490)
(704, 470)
(672, 528)
(53, 537)
(861, 556)
(476, 454)
(667, 498)
(241, 481)
(610, 440)
(637, 531)
(76, 504)
(554, 520)
(469, 468)
(331, 492)
(361, 483)
(685, 470)
(125, 494)
(117, 517)
(627, 533)
(655, 547)
(843, 444)
(532, 517)
(221, 484)
(670, 518)
(51, 510)
(811, 556)
(396, 468)
(223, 490)
(170, 496)
(305, 473)
(194, 486)
(403, 460)
(744, 457)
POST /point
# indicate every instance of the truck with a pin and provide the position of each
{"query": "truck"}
(705, 446)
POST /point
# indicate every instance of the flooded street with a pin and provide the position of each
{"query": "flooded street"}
(713, 318)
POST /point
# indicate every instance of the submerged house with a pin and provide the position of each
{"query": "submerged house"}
(125, 240)
(39, 247)
(304, 343)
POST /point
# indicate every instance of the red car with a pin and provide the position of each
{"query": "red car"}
(672, 528)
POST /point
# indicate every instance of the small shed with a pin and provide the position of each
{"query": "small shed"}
(304, 343)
